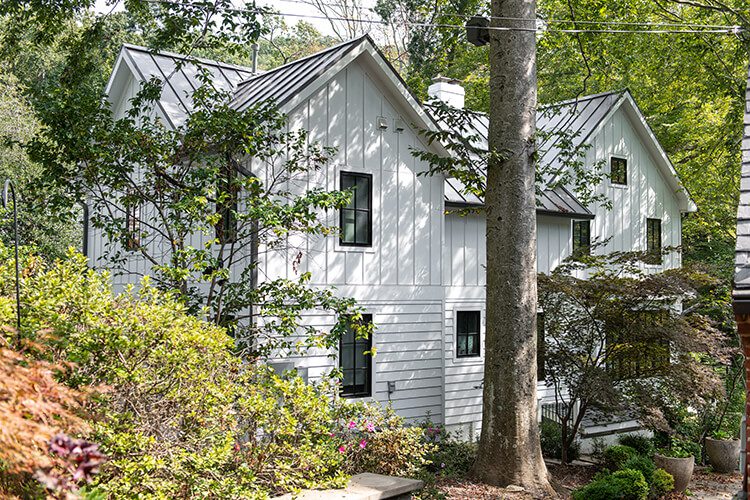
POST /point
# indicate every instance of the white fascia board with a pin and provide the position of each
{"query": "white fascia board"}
(132, 67)
(386, 75)
(667, 169)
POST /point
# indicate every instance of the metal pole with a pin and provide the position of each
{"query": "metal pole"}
(10, 188)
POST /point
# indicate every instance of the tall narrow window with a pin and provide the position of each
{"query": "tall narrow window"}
(356, 217)
(132, 222)
(618, 170)
(653, 240)
(226, 205)
(355, 365)
(581, 237)
(467, 334)
(540, 350)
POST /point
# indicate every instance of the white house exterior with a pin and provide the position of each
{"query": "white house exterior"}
(424, 262)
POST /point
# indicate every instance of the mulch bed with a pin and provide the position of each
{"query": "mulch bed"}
(705, 485)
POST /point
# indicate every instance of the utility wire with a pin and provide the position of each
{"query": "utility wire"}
(551, 21)
(725, 30)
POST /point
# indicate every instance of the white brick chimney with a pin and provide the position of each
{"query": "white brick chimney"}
(447, 90)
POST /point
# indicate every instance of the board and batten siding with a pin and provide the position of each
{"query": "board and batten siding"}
(398, 279)
(647, 195)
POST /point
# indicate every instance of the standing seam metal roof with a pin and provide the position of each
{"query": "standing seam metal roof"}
(742, 251)
(577, 118)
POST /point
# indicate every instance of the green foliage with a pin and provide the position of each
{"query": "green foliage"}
(642, 444)
(178, 413)
(615, 456)
(641, 463)
(681, 448)
(624, 484)
(376, 439)
(551, 441)
(662, 482)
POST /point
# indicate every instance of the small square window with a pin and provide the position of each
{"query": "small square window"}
(581, 237)
(618, 171)
(467, 334)
(355, 222)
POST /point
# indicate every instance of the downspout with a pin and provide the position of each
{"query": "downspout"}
(255, 48)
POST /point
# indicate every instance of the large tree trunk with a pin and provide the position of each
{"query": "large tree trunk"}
(509, 450)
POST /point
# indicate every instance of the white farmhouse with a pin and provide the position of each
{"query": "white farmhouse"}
(405, 253)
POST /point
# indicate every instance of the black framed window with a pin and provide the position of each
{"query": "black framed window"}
(618, 170)
(581, 237)
(467, 333)
(226, 206)
(132, 222)
(653, 240)
(540, 347)
(355, 365)
(356, 218)
(638, 344)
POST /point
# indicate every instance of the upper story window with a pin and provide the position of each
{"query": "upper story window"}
(581, 237)
(653, 240)
(618, 170)
(356, 217)
(355, 365)
(467, 334)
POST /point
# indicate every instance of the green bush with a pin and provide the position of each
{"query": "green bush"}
(624, 484)
(662, 483)
(616, 455)
(178, 414)
(642, 444)
(643, 464)
(551, 441)
(453, 459)
(376, 439)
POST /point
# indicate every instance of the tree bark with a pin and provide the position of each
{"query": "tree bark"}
(509, 449)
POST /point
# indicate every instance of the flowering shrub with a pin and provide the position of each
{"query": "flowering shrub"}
(178, 414)
(375, 439)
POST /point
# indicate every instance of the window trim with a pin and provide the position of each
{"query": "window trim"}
(227, 228)
(658, 258)
(581, 250)
(541, 348)
(341, 241)
(367, 392)
(133, 226)
(612, 182)
(479, 335)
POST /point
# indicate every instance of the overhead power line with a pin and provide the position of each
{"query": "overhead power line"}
(666, 28)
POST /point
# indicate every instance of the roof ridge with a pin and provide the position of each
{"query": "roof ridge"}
(353, 41)
(175, 55)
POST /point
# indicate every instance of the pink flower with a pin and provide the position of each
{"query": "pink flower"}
(352, 425)
(370, 427)
(333, 434)
(363, 443)
(342, 449)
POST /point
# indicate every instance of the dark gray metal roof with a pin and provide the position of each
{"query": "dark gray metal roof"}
(283, 83)
(180, 75)
(574, 120)
(742, 253)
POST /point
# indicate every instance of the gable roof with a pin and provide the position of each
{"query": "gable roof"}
(180, 76)
(578, 120)
(290, 83)
(282, 83)
(741, 292)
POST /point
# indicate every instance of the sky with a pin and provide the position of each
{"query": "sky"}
(283, 6)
